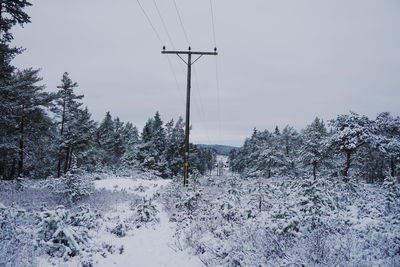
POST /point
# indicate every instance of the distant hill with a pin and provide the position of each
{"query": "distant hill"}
(220, 149)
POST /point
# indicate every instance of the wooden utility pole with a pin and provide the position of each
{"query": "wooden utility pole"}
(189, 64)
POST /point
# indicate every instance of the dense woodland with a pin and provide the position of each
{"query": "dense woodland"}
(351, 145)
(43, 133)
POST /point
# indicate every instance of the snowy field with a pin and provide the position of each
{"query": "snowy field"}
(217, 221)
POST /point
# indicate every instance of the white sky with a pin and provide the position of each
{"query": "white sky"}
(281, 62)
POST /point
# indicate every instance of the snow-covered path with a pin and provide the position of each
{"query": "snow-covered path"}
(146, 246)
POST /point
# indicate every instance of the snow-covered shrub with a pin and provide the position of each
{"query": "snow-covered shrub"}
(229, 210)
(9, 219)
(75, 184)
(15, 238)
(60, 233)
(315, 201)
(191, 200)
(145, 212)
(121, 229)
(84, 217)
(307, 222)
(392, 188)
(258, 193)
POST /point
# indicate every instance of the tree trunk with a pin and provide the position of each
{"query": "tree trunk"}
(347, 166)
(70, 158)
(61, 134)
(314, 163)
(12, 173)
(67, 155)
(392, 166)
(21, 147)
(1, 29)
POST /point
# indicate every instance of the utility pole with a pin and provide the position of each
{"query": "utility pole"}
(189, 64)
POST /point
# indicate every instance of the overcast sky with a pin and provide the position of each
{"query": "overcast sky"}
(280, 62)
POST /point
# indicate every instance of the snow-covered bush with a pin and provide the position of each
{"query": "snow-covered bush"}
(75, 184)
(145, 212)
(392, 188)
(63, 234)
(121, 229)
(308, 222)
(15, 238)
(190, 200)
(84, 217)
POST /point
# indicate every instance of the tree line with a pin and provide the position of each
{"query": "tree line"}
(351, 145)
(43, 133)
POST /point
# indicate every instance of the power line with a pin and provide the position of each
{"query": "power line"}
(181, 22)
(163, 23)
(151, 24)
(161, 42)
(216, 68)
(175, 78)
(218, 97)
(213, 23)
(202, 113)
(169, 38)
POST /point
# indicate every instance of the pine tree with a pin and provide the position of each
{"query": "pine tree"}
(131, 137)
(105, 139)
(30, 100)
(350, 133)
(78, 139)
(11, 13)
(119, 148)
(67, 106)
(313, 149)
(291, 141)
(150, 153)
(387, 139)
(174, 146)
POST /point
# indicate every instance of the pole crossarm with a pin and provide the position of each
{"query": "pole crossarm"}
(190, 52)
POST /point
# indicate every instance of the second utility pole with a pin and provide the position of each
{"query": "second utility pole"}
(189, 63)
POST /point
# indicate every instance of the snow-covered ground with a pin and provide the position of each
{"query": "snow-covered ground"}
(147, 246)
(223, 220)
(141, 187)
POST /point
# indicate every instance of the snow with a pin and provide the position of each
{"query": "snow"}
(141, 187)
(147, 246)
(150, 246)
